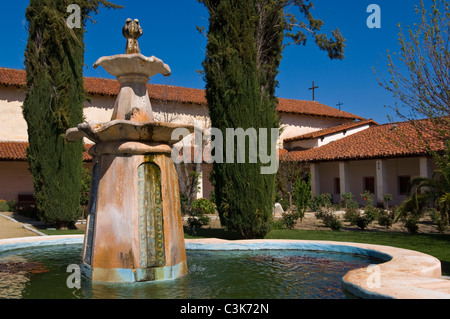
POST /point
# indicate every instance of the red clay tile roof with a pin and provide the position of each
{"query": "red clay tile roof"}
(313, 108)
(17, 151)
(100, 86)
(384, 141)
(331, 130)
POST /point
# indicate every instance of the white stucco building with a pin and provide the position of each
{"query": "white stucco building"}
(170, 104)
(365, 156)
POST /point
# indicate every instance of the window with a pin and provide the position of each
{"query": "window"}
(337, 186)
(369, 184)
(403, 184)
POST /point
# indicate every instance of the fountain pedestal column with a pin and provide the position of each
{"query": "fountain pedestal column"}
(135, 232)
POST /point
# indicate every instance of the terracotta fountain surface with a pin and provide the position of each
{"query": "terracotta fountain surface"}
(135, 231)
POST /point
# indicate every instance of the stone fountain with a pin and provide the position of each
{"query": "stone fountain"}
(135, 231)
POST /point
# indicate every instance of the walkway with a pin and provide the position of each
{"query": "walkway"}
(15, 226)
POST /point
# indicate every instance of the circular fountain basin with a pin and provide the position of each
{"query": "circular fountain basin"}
(398, 274)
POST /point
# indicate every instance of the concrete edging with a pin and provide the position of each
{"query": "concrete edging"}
(406, 274)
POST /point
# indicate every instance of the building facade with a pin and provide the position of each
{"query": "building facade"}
(380, 159)
(170, 104)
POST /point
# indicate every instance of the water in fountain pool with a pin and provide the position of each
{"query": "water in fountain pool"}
(41, 273)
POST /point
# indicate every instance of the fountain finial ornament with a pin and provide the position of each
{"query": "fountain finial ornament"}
(132, 31)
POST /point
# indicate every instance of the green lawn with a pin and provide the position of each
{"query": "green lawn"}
(61, 232)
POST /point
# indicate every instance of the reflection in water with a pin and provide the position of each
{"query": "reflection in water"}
(12, 282)
(278, 274)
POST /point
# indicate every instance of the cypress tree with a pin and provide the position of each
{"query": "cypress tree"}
(54, 60)
(244, 51)
(243, 195)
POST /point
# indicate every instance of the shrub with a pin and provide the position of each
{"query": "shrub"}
(385, 219)
(368, 198)
(199, 209)
(371, 214)
(351, 216)
(278, 225)
(290, 219)
(387, 199)
(12, 206)
(411, 224)
(363, 221)
(348, 202)
(3, 206)
(302, 196)
(203, 206)
(331, 221)
(197, 223)
(442, 225)
(319, 202)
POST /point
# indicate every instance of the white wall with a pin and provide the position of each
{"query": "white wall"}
(318, 142)
(13, 126)
(328, 171)
(15, 179)
(341, 135)
(296, 125)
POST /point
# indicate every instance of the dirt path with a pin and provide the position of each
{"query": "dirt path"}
(10, 229)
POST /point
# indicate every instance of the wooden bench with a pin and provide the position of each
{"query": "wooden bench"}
(26, 200)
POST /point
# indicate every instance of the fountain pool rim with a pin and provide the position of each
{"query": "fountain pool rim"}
(405, 274)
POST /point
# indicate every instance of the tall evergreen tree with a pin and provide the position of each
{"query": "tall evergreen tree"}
(54, 60)
(244, 51)
(234, 96)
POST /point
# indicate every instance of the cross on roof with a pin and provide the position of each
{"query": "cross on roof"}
(340, 104)
(314, 90)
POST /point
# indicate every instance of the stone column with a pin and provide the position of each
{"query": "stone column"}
(344, 177)
(426, 167)
(315, 179)
(381, 181)
(200, 183)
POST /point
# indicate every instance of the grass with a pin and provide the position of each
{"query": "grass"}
(62, 232)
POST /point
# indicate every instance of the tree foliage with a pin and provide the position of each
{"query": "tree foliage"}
(429, 193)
(54, 60)
(302, 196)
(244, 51)
(419, 79)
(243, 195)
(419, 75)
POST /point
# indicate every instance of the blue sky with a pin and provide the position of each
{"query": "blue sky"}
(170, 34)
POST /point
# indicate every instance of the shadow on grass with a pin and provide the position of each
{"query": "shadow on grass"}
(218, 233)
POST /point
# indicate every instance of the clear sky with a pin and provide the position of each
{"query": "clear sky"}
(170, 34)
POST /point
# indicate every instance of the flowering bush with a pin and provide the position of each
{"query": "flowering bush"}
(3, 206)
(368, 198)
